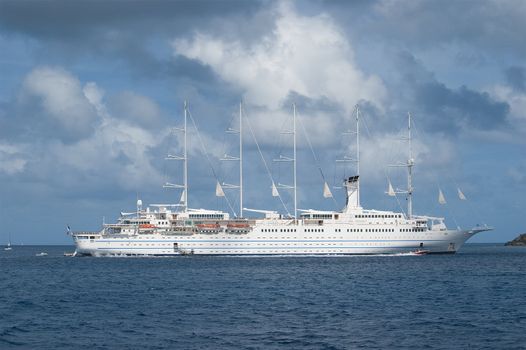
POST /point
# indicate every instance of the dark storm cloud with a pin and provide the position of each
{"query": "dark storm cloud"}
(462, 106)
(447, 109)
(487, 25)
(135, 35)
(72, 20)
(27, 121)
(516, 78)
(136, 32)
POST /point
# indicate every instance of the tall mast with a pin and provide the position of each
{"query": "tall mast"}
(358, 151)
(352, 183)
(294, 160)
(185, 158)
(238, 159)
(241, 159)
(410, 164)
(183, 202)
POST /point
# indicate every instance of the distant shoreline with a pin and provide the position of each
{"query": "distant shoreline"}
(520, 241)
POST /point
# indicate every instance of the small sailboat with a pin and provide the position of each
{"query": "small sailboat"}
(8, 246)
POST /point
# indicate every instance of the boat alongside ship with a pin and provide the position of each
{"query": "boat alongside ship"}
(177, 229)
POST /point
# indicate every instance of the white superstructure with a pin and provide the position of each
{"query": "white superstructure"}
(176, 229)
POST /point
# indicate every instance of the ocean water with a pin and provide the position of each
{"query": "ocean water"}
(474, 299)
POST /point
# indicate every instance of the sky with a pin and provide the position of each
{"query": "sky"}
(92, 94)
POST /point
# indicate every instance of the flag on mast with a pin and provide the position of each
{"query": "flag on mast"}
(390, 190)
(326, 191)
(219, 190)
(275, 192)
(441, 198)
(461, 195)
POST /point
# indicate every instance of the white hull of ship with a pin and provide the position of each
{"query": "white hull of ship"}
(279, 244)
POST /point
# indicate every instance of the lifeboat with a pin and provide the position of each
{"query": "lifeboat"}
(238, 225)
(207, 226)
(146, 226)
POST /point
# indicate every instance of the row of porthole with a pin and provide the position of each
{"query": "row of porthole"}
(281, 238)
(267, 251)
(322, 230)
(281, 251)
(259, 244)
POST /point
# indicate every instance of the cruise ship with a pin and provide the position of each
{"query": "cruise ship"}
(177, 229)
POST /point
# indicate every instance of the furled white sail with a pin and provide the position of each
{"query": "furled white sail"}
(441, 198)
(219, 190)
(182, 197)
(326, 191)
(461, 195)
(390, 190)
(275, 192)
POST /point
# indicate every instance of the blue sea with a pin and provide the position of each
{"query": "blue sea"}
(474, 299)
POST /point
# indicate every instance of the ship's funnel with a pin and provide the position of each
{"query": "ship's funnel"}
(352, 184)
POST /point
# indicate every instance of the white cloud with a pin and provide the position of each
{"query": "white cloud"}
(62, 98)
(379, 152)
(267, 127)
(517, 102)
(12, 159)
(95, 96)
(306, 55)
(134, 107)
(115, 151)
